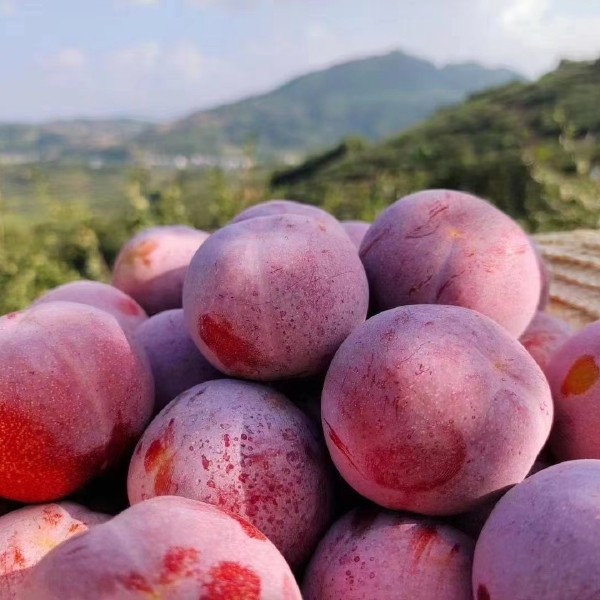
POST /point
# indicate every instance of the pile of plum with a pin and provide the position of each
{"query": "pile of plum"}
(356, 411)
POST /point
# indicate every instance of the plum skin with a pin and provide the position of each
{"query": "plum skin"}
(176, 362)
(76, 393)
(276, 208)
(447, 247)
(544, 336)
(373, 554)
(356, 231)
(274, 297)
(28, 534)
(243, 447)
(543, 538)
(167, 547)
(152, 265)
(105, 297)
(416, 407)
(574, 375)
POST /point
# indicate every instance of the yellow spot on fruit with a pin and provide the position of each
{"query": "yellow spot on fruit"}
(454, 233)
(47, 543)
(581, 377)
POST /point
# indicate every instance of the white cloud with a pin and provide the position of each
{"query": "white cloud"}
(70, 58)
(140, 58)
(547, 30)
(7, 7)
(67, 60)
(187, 60)
(226, 3)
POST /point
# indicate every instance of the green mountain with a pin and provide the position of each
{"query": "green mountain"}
(531, 148)
(372, 97)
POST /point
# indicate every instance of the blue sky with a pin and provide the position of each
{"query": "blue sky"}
(163, 58)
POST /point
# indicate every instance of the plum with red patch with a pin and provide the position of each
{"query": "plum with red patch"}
(76, 393)
(447, 247)
(431, 409)
(273, 297)
(544, 336)
(167, 547)
(28, 534)
(356, 231)
(105, 297)
(243, 447)
(152, 265)
(574, 376)
(542, 539)
(177, 364)
(377, 555)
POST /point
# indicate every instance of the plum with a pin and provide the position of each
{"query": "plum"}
(168, 547)
(543, 538)
(276, 208)
(432, 408)
(574, 376)
(176, 362)
(376, 555)
(244, 447)
(76, 393)
(446, 247)
(544, 336)
(356, 231)
(106, 297)
(152, 265)
(274, 297)
(28, 534)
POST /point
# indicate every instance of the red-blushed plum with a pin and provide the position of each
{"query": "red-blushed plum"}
(277, 208)
(372, 554)
(176, 362)
(543, 538)
(446, 247)
(169, 548)
(274, 297)
(574, 376)
(106, 297)
(545, 277)
(243, 447)
(28, 534)
(76, 393)
(544, 336)
(356, 230)
(152, 265)
(432, 408)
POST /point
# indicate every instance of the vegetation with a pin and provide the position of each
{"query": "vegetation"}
(64, 241)
(533, 149)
